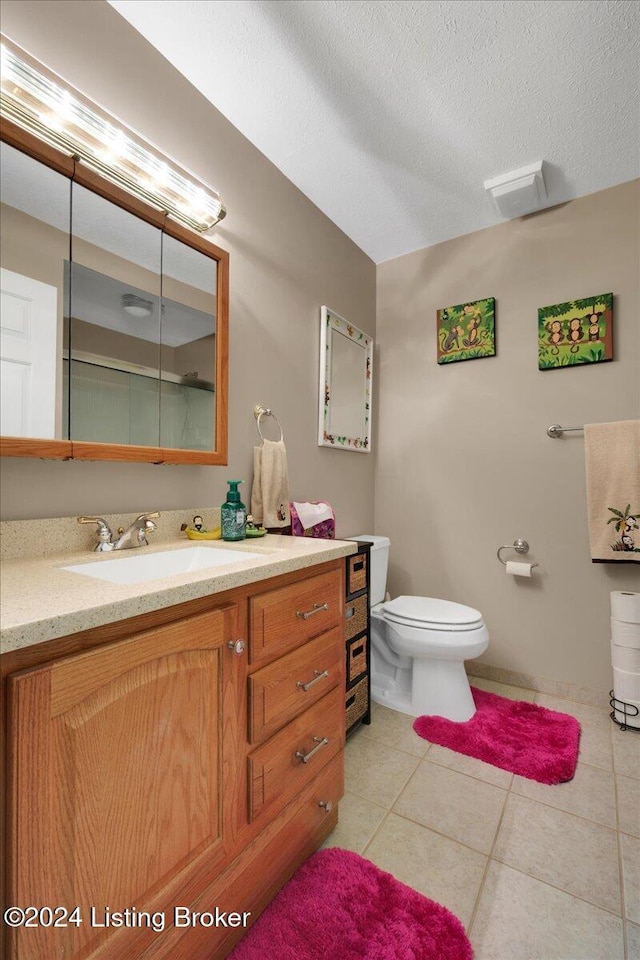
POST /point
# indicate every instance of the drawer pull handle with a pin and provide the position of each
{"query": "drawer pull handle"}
(327, 805)
(237, 646)
(358, 566)
(305, 757)
(318, 675)
(317, 607)
(356, 651)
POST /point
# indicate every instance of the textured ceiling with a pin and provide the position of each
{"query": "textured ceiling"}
(389, 115)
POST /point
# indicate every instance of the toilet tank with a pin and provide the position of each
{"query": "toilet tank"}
(379, 563)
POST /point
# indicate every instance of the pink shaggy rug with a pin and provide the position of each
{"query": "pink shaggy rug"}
(339, 906)
(523, 738)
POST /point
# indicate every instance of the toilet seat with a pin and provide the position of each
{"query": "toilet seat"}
(430, 613)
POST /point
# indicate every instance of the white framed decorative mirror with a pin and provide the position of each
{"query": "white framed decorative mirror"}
(346, 367)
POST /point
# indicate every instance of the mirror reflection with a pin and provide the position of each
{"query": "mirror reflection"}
(112, 289)
(108, 322)
(34, 243)
(188, 351)
(347, 386)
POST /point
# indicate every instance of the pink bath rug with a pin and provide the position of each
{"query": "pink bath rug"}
(523, 738)
(339, 906)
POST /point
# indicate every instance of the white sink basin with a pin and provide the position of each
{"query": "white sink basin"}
(164, 563)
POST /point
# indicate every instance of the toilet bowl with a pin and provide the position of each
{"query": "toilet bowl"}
(418, 648)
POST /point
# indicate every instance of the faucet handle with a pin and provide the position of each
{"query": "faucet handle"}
(148, 516)
(104, 532)
(102, 524)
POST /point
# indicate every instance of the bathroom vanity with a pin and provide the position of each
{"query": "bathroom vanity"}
(172, 762)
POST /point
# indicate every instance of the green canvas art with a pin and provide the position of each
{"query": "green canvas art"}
(576, 332)
(467, 331)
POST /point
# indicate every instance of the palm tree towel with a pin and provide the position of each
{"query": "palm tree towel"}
(612, 461)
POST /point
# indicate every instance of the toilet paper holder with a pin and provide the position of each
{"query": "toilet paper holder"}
(519, 545)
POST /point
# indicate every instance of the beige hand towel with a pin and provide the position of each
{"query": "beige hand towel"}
(270, 493)
(612, 461)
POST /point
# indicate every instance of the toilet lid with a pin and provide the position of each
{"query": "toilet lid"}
(431, 612)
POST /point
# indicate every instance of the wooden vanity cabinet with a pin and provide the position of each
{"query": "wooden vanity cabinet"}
(137, 779)
(123, 757)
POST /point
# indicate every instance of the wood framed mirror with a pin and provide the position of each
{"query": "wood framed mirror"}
(114, 319)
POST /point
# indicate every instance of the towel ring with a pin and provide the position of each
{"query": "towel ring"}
(259, 412)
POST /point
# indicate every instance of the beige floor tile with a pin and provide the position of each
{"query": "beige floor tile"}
(462, 808)
(595, 744)
(581, 711)
(628, 805)
(502, 689)
(395, 729)
(358, 820)
(590, 794)
(626, 752)
(520, 918)
(376, 772)
(441, 869)
(630, 847)
(576, 855)
(633, 941)
(470, 766)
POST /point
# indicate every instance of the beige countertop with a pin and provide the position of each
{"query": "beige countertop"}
(41, 601)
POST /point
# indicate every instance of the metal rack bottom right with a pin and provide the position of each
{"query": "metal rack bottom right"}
(626, 709)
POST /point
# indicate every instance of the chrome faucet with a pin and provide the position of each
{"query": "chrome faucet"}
(134, 536)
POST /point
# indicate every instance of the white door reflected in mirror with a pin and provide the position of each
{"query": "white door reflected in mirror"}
(346, 360)
(28, 351)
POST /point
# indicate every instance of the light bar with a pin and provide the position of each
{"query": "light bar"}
(42, 103)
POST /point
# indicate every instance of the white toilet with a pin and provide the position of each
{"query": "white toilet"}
(418, 647)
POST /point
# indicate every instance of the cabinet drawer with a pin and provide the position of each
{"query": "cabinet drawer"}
(356, 658)
(355, 613)
(282, 766)
(356, 572)
(281, 691)
(282, 619)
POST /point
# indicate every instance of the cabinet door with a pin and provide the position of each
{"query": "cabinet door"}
(122, 758)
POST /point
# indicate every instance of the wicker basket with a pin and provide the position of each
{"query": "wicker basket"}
(356, 572)
(356, 658)
(356, 615)
(357, 702)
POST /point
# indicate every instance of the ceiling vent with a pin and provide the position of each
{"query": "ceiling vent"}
(519, 192)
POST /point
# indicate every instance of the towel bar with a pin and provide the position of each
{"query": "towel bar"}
(555, 430)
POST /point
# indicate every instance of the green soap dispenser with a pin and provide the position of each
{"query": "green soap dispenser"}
(233, 514)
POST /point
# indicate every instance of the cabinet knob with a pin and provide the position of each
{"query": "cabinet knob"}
(237, 646)
(326, 804)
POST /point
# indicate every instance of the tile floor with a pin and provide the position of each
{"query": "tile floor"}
(534, 872)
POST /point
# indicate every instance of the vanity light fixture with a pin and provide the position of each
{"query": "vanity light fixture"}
(39, 101)
(136, 306)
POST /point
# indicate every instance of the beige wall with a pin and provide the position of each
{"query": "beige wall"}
(287, 259)
(463, 461)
